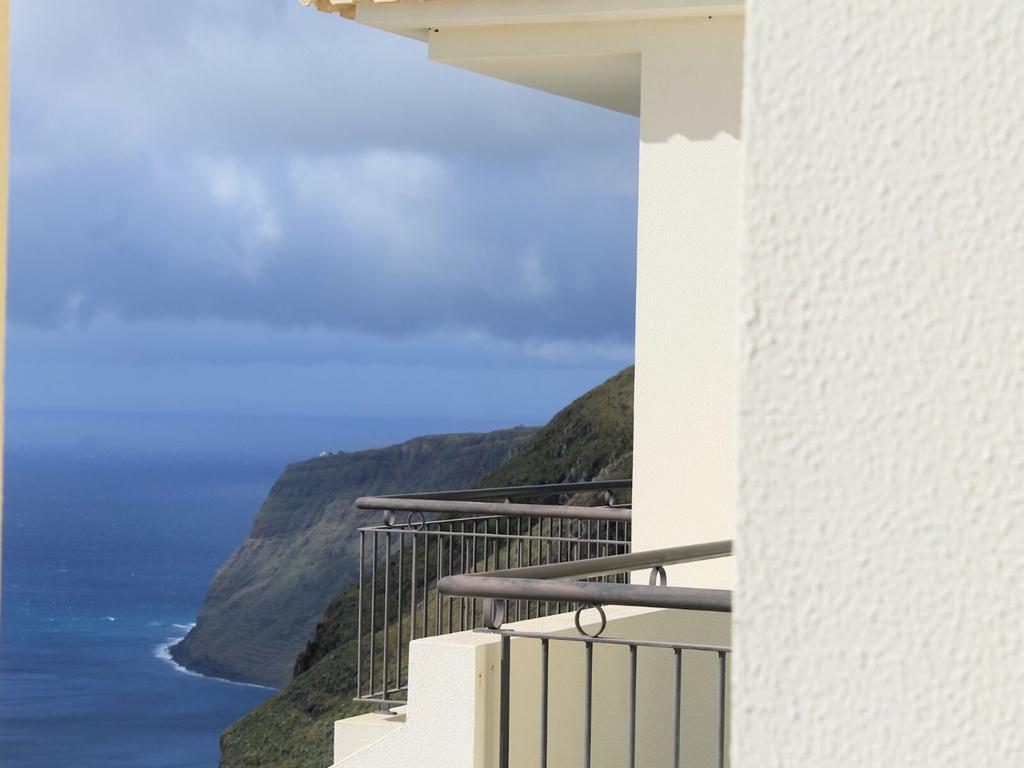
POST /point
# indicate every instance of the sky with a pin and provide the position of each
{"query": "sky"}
(255, 226)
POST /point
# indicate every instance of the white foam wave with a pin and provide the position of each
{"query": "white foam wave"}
(163, 652)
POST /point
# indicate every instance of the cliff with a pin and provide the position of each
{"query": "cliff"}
(264, 602)
(590, 439)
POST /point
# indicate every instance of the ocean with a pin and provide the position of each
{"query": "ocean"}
(106, 561)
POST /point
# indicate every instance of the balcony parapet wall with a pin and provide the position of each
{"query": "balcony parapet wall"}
(452, 718)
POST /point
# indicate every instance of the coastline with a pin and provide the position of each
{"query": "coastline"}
(164, 652)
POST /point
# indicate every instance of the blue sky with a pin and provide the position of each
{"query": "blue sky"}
(254, 214)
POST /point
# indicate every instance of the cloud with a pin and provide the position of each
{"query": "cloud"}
(535, 281)
(111, 341)
(267, 74)
(251, 208)
(276, 167)
(219, 368)
(241, 194)
(395, 199)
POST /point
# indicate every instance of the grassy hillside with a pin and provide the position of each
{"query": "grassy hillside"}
(265, 601)
(589, 439)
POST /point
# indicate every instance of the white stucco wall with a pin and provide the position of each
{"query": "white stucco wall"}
(687, 262)
(880, 540)
(454, 682)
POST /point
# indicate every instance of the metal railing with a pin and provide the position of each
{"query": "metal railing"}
(562, 582)
(456, 533)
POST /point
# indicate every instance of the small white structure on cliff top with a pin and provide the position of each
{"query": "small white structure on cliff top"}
(828, 351)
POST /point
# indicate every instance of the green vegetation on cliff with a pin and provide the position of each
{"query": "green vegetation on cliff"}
(590, 439)
(264, 603)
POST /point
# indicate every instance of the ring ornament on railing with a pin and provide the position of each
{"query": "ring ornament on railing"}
(579, 626)
(658, 577)
(417, 516)
(494, 613)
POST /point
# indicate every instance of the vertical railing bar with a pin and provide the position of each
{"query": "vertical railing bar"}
(627, 533)
(543, 703)
(558, 607)
(619, 548)
(451, 549)
(721, 709)
(631, 692)
(588, 690)
(537, 603)
(472, 557)
(373, 610)
(426, 583)
(359, 618)
(412, 589)
(678, 709)
(463, 568)
(613, 534)
(401, 627)
(503, 713)
(519, 556)
(437, 601)
(485, 563)
(621, 536)
(535, 561)
(546, 555)
(387, 588)
(471, 568)
(507, 542)
(488, 566)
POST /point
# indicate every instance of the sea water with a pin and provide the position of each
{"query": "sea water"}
(106, 561)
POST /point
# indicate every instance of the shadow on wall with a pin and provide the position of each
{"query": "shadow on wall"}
(702, 64)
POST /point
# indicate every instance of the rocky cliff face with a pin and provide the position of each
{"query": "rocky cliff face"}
(590, 439)
(264, 603)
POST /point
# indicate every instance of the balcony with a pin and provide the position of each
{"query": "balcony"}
(465, 532)
(498, 628)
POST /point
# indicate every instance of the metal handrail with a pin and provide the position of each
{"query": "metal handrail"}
(611, 564)
(543, 582)
(512, 491)
(451, 507)
(474, 502)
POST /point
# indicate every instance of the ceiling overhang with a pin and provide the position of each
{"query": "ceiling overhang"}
(587, 50)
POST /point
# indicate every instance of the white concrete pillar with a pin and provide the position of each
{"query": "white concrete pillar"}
(687, 261)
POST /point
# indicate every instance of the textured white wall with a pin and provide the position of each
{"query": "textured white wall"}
(880, 542)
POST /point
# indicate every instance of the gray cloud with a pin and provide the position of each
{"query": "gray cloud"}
(280, 167)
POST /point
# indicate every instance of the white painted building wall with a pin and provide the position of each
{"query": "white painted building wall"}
(880, 599)
(452, 717)
(688, 236)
